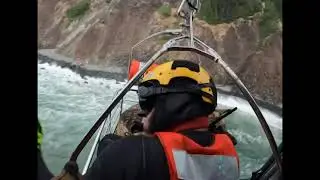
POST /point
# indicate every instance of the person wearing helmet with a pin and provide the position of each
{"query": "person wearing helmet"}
(176, 99)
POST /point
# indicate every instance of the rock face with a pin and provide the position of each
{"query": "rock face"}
(105, 34)
(258, 65)
(130, 115)
(127, 118)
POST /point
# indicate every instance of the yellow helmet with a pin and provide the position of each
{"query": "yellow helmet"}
(157, 82)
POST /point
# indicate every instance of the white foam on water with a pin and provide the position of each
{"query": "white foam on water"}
(231, 101)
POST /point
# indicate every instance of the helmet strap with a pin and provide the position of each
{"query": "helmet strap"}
(146, 92)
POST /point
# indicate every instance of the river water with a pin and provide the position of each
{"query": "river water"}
(68, 106)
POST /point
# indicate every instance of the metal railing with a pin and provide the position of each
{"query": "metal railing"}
(173, 44)
(111, 123)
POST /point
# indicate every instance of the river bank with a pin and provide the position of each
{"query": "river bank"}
(50, 57)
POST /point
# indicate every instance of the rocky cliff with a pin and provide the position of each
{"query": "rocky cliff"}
(102, 32)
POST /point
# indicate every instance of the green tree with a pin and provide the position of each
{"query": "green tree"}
(78, 10)
(219, 11)
(165, 10)
(269, 19)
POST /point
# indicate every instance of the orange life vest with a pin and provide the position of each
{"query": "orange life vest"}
(136, 65)
(189, 160)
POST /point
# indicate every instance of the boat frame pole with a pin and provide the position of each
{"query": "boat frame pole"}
(206, 51)
(212, 55)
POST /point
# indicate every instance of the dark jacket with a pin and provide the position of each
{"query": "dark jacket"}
(132, 158)
(137, 158)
